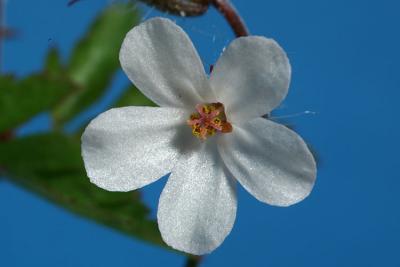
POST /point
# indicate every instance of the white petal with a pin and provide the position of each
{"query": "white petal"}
(127, 148)
(161, 61)
(251, 77)
(271, 161)
(197, 207)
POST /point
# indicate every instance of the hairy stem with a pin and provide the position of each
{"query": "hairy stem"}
(231, 15)
(188, 8)
(185, 8)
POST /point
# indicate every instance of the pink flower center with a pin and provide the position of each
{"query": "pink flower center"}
(209, 119)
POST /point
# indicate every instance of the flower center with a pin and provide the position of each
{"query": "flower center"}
(209, 119)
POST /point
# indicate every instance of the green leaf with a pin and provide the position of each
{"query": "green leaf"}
(133, 97)
(51, 165)
(22, 99)
(53, 64)
(95, 59)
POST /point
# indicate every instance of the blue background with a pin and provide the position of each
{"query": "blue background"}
(345, 58)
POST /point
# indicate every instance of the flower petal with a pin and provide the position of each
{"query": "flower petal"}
(251, 77)
(128, 148)
(161, 61)
(271, 161)
(197, 207)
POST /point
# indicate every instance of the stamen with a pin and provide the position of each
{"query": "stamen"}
(209, 120)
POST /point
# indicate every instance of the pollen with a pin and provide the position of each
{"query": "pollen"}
(208, 120)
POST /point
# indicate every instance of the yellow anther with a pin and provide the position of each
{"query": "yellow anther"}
(209, 120)
(206, 109)
(194, 116)
(210, 131)
(196, 130)
(217, 121)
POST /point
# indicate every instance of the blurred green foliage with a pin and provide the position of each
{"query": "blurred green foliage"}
(133, 97)
(50, 164)
(20, 99)
(94, 60)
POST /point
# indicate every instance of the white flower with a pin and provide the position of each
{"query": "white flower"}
(207, 132)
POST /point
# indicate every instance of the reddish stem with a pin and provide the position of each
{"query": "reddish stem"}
(226, 8)
(7, 135)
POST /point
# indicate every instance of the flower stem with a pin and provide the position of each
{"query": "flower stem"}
(180, 7)
(232, 16)
(193, 261)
